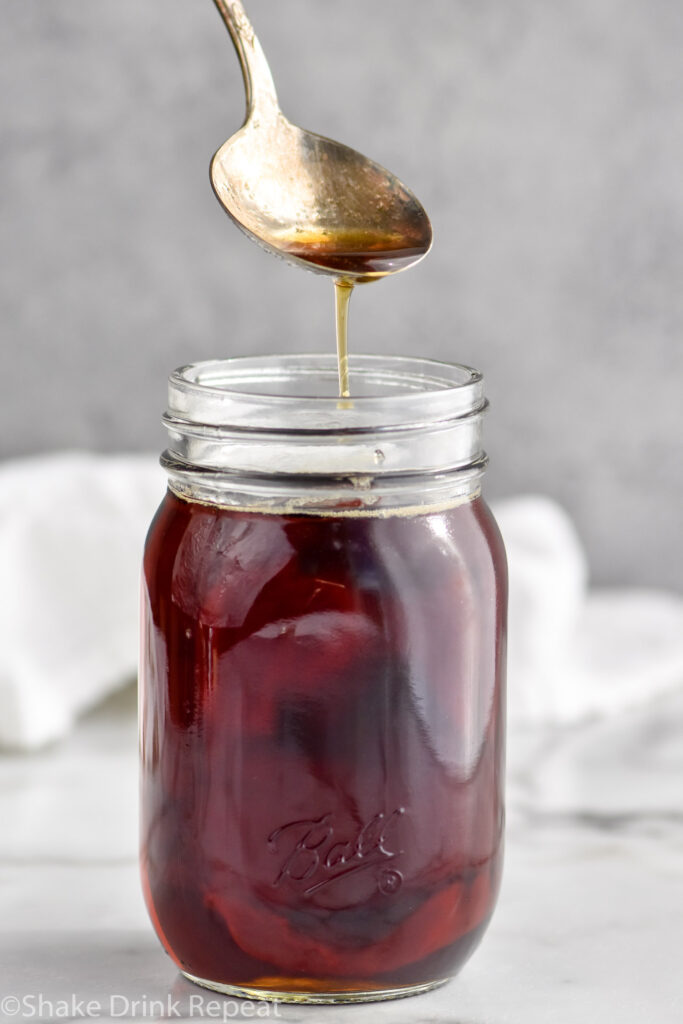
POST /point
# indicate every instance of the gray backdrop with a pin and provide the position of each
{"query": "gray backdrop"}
(545, 139)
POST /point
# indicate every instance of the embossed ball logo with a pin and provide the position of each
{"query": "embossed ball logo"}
(319, 852)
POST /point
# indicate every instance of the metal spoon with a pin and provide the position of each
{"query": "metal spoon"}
(304, 197)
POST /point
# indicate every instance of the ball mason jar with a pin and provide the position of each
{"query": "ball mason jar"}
(322, 679)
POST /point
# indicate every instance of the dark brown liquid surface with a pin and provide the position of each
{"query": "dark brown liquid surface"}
(322, 744)
(365, 255)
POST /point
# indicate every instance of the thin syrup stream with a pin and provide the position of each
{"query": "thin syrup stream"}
(343, 289)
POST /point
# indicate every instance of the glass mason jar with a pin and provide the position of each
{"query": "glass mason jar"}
(322, 702)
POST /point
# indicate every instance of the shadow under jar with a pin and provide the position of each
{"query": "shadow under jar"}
(322, 679)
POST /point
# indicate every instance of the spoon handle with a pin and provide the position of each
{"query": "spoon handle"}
(258, 80)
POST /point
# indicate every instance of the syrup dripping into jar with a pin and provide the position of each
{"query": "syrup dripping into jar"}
(358, 257)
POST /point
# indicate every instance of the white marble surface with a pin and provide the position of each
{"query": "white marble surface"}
(589, 926)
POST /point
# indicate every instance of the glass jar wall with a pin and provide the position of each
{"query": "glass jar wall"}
(322, 680)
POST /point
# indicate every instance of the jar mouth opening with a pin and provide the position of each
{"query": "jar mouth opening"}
(275, 427)
(301, 392)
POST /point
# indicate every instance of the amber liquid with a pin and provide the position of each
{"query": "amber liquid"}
(358, 257)
(322, 746)
(343, 291)
(365, 254)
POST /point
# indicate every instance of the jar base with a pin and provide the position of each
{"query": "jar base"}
(303, 996)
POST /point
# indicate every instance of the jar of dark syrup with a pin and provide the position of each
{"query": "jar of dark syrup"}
(324, 604)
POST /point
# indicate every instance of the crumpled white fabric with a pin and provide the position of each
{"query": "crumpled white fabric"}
(576, 652)
(72, 529)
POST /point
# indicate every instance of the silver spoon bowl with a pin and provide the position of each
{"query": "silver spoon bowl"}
(306, 198)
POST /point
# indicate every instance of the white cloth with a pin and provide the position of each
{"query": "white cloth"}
(72, 528)
(575, 652)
